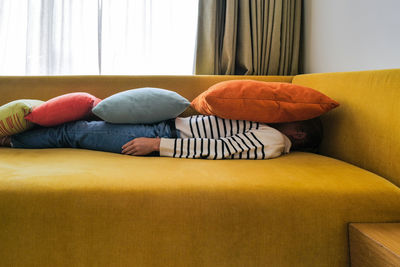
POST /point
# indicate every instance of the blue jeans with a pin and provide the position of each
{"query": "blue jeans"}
(94, 135)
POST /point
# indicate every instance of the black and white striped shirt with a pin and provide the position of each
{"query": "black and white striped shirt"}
(211, 137)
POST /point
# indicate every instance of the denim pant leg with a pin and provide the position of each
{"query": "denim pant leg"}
(94, 135)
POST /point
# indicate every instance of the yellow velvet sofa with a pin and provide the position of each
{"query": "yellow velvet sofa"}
(70, 207)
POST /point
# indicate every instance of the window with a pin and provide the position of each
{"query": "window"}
(130, 37)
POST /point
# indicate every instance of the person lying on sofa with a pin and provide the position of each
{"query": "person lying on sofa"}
(207, 137)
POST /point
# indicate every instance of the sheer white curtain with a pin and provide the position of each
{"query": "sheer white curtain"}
(48, 37)
(66, 37)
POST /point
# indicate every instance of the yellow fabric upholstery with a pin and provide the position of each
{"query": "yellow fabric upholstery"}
(65, 207)
(71, 207)
(365, 129)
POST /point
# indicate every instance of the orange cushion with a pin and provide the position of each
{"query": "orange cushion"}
(268, 102)
(64, 108)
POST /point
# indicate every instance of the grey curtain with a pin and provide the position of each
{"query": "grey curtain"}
(248, 37)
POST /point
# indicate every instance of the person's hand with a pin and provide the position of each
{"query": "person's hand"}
(141, 146)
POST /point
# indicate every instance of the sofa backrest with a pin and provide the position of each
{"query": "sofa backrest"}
(365, 129)
(46, 87)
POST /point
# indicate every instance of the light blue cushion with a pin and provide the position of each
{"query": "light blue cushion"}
(143, 105)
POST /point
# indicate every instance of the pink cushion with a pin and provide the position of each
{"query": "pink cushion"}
(64, 108)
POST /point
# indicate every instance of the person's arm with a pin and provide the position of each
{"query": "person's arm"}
(141, 146)
(262, 143)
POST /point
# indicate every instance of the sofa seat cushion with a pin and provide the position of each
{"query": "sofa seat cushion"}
(69, 207)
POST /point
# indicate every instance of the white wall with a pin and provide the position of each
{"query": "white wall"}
(350, 35)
